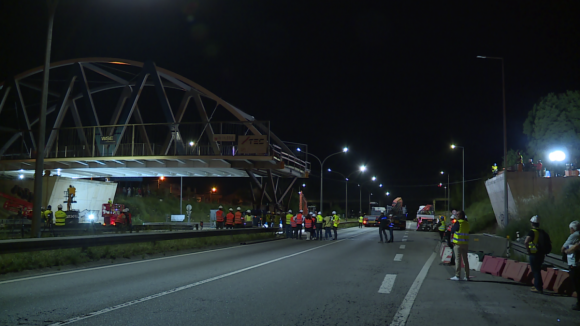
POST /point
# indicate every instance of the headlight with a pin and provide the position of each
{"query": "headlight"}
(91, 217)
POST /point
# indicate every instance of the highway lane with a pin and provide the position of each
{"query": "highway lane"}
(285, 282)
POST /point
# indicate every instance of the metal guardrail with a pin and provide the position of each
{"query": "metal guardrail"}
(39, 244)
(551, 259)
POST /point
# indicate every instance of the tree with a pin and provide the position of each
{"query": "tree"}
(554, 123)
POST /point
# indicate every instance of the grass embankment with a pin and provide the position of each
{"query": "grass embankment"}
(156, 208)
(56, 258)
(554, 215)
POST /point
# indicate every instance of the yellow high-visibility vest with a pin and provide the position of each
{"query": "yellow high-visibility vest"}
(442, 226)
(289, 218)
(60, 217)
(462, 236)
(319, 218)
(336, 220)
(533, 244)
(360, 219)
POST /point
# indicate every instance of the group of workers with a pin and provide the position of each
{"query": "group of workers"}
(53, 219)
(233, 220)
(313, 225)
(529, 166)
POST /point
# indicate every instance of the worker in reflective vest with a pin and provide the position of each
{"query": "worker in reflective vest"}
(219, 218)
(238, 218)
(60, 216)
(460, 232)
(230, 219)
(269, 219)
(308, 226)
(248, 219)
(494, 169)
(319, 220)
(335, 223)
(441, 227)
(289, 219)
(360, 221)
(299, 219)
(48, 216)
(294, 229)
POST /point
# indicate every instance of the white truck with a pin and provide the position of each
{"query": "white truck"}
(426, 218)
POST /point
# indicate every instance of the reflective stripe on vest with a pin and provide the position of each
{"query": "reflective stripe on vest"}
(230, 218)
(293, 223)
(219, 216)
(532, 245)
(360, 219)
(308, 223)
(462, 236)
(248, 218)
(299, 218)
(442, 226)
(336, 220)
(238, 218)
(289, 218)
(319, 218)
(60, 218)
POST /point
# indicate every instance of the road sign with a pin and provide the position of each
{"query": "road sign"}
(224, 137)
(253, 144)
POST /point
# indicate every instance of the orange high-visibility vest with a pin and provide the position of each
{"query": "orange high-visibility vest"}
(308, 223)
(299, 219)
(238, 218)
(293, 223)
(120, 219)
(230, 219)
(219, 216)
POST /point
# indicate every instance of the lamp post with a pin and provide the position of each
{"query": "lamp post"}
(346, 187)
(448, 193)
(344, 150)
(463, 160)
(505, 184)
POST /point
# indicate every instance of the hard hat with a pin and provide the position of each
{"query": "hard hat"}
(319, 213)
(220, 207)
(333, 212)
(239, 208)
(127, 209)
(248, 211)
(300, 211)
(494, 164)
(289, 211)
(59, 206)
(231, 209)
(534, 219)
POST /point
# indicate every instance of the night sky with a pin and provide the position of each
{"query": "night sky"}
(395, 81)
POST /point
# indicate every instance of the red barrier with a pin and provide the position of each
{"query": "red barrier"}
(510, 270)
(563, 284)
(499, 266)
(488, 265)
(549, 278)
(524, 274)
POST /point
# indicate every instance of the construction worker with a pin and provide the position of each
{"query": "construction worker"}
(294, 229)
(383, 226)
(289, 219)
(238, 218)
(319, 220)
(121, 219)
(59, 216)
(460, 232)
(299, 219)
(327, 227)
(494, 169)
(520, 159)
(536, 257)
(219, 218)
(441, 227)
(248, 219)
(49, 216)
(360, 221)
(268, 218)
(335, 223)
(230, 219)
(110, 202)
(539, 167)
(309, 226)
(390, 226)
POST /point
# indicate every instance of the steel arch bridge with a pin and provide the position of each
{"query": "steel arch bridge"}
(110, 117)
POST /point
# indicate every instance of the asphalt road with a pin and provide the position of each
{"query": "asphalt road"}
(352, 281)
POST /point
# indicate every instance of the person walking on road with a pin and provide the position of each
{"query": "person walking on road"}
(535, 243)
(335, 223)
(360, 221)
(299, 219)
(391, 225)
(572, 250)
(327, 226)
(230, 219)
(219, 218)
(319, 221)
(460, 232)
(383, 225)
(289, 219)
(238, 218)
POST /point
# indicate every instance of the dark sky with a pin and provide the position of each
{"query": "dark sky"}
(396, 81)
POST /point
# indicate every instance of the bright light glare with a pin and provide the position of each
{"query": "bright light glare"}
(298, 149)
(303, 185)
(213, 189)
(329, 170)
(91, 217)
(452, 146)
(162, 178)
(191, 143)
(557, 156)
(381, 185)
(374, 178)
(388, 193)
(363, 168)
(345, 149)
(442, 172)
(21, 176)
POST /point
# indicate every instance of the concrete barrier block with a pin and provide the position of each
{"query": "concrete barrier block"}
(442, 249)
(510, 269)
(447, 255)
(488, 244)
(488, 265)
(474, 263)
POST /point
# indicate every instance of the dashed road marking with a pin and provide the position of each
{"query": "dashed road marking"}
(400, 318)
(388, 283)
(404, 239)
(402, 247)
(398, 257)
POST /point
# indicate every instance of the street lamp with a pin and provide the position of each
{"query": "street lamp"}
(505, 184)
(388, 193)
(448, 190)
(463, 197)
(344, 150)
(374, 178)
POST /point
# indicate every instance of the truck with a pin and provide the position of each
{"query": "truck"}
(426, 218)
(371, 218)
(399, 214)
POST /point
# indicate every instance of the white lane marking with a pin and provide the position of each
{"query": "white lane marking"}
(181, 288)
(404, 239)
(119, 265)
(388, 283)
(398, 257)
(402, 247)
(400, 318)
(405, 236)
